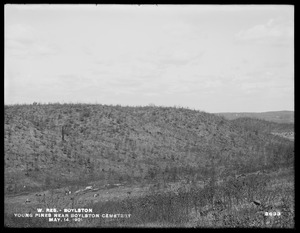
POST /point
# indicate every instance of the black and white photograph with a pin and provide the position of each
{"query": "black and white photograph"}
(149, 116)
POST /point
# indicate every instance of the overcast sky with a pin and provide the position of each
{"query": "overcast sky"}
(211, 58)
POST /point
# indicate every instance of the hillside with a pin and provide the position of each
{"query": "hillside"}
(275, 116)
(285, 130)
(59, 144)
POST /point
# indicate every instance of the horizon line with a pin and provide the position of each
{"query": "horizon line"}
(148, 105)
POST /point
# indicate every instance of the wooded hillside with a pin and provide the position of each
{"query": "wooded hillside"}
(57, 144)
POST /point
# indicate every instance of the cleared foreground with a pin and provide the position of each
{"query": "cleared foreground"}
(172, 204)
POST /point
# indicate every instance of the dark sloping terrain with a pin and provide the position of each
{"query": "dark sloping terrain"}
(285, 130)
(263, 125)
(275, 116)
(61, 144)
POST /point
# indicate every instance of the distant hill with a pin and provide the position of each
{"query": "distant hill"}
(275, 116)
(263, 125)
(285, 130)
(57, 144)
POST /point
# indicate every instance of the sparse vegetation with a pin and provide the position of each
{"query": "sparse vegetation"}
(234, 205)
(49, 147)
(274, 116)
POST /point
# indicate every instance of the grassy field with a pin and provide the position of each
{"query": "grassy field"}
(232, 202)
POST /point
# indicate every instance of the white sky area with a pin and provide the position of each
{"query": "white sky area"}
(212, 58)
